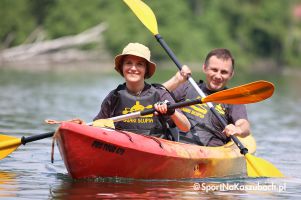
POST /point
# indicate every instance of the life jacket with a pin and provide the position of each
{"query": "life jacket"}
(204, 125)
(125, 103)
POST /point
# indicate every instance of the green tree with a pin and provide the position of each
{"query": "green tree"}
(74, 16)
(40, 9)
(263, 29)
(251, 29)
(16, 22)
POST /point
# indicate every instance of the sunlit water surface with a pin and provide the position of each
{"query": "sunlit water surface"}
(27, 99)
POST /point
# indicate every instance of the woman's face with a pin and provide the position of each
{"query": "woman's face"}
(134, 68)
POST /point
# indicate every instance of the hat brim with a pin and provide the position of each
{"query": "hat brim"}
(118, 65)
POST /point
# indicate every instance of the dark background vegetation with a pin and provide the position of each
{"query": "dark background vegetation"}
(258, 32)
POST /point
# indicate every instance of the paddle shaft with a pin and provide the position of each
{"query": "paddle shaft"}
(152, 110)
(25, 140)
(170, 53)
(179, 65)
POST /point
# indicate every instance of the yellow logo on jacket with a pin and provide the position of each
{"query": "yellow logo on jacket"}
(200, 110)
(136, 108)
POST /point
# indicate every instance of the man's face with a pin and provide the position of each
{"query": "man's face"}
(218, 73)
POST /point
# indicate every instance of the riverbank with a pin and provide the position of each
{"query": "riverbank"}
(99, 60)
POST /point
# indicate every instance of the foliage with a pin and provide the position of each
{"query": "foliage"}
(16, 22)
(71, 17)
(251, 29)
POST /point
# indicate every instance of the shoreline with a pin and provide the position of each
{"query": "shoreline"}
(94, 63)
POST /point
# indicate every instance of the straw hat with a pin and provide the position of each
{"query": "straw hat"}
(136, 49)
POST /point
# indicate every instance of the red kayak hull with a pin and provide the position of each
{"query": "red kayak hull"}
(90, 152)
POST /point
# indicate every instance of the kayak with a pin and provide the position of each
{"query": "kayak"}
(91, 152)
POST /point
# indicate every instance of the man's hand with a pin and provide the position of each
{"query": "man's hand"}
(182, 75)
(230, 129)
(179, 78)
(241, 128)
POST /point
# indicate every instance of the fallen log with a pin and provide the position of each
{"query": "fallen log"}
(30, 51)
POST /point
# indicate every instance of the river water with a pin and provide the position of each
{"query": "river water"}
(28, 98)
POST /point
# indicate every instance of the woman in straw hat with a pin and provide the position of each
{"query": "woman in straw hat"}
(135, 94)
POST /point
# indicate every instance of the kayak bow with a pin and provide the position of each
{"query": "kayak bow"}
(90, 152)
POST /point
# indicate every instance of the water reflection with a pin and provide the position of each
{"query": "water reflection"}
(117, 188)
(123, 189)
(8, 184)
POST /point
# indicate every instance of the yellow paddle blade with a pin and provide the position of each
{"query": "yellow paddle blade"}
(258, 167)
(104, 123)
(8, 144)
(144, 14)
(248, 93)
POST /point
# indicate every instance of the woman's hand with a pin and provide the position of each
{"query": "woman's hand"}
(161, 107)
